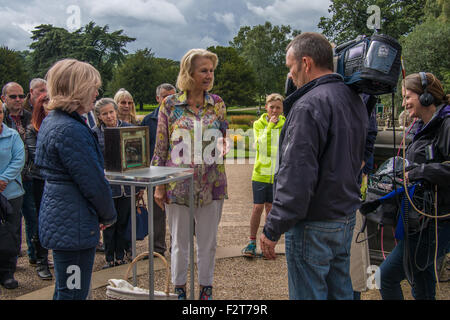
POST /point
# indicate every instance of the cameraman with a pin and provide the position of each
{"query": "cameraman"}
(430, 149)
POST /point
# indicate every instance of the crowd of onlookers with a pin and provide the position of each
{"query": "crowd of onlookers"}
(307, 175)
(24, 113)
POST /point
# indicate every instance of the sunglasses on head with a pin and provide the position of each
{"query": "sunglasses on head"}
(14, 96)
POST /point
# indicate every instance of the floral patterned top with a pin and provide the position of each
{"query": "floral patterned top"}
(184, 139)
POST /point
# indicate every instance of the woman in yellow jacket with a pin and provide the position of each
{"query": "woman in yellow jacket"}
(266, 131)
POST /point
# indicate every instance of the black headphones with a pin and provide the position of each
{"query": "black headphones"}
(426, 98)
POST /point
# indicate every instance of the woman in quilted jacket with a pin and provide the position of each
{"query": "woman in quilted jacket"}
(76, 202)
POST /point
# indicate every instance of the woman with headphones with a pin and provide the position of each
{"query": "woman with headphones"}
(415, 255)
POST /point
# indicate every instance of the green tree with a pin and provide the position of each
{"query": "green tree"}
(264, 48)
(234, 78)
(349, 18)
(12, 68)
(438, 9)
(93, 44)
(136, 74)
(426, 49)
(166, 72)
(140, 74)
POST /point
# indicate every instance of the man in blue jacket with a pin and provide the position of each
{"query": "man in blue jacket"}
(151, 120)
(316, 191)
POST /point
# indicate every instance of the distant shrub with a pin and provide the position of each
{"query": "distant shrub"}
(243, 119)
(244, 127)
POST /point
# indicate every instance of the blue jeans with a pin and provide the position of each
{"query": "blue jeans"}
(30, 215)
(318, 259)
(73, 271)
(424, 284)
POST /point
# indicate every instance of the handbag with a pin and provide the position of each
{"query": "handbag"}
(8, 236)
(141, 222)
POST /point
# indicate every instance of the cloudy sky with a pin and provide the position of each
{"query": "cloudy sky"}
(168, 27)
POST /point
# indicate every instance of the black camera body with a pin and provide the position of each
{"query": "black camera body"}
(370, 65)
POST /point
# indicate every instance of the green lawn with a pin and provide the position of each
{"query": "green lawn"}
(148, 108)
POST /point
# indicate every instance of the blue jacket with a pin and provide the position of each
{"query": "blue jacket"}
(12, 160)
(77, 196)
(320, 155)
(151, 120)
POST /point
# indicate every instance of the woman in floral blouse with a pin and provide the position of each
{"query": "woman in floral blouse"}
(191, 130)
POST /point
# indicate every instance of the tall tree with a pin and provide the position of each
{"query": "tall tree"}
(166, 72)
(426, 49)
(234, 78)
(349, 18)
(135, 75)
(141, 73)
(12, 68)
(264, 47)
(93, 44)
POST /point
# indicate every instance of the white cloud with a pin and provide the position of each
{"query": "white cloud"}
(158, 11)
(227, 19)
(207, 41)
(303, 14)
(168, 27)
(27, 27)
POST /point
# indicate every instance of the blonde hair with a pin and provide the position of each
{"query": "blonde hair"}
(185, 81)
(122, 94)
(71, 84)
(274, 97)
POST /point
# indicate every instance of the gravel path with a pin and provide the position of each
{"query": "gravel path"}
(235, 278)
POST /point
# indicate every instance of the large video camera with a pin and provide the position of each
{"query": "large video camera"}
(370, 65)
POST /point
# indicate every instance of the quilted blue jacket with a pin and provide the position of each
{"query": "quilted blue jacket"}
(77, 197)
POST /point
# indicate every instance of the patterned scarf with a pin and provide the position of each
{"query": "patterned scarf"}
(19, 126)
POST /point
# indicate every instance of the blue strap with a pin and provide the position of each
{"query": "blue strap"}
(400, 228)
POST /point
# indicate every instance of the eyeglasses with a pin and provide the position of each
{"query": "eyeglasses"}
(14, 96)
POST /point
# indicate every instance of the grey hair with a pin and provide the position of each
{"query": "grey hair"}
(6, 87)
(102, 103)
(37, 81)
(164, 86)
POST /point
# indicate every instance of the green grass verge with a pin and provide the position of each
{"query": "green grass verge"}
(148, 108)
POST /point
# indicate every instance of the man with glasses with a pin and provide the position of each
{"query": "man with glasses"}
(17, 118)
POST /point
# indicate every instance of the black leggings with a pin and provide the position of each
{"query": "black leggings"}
(114, 236)
(41, 253)
(8, 264)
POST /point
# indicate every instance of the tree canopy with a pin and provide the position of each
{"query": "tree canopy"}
(349, 18)
(12, 68)
(141, 73)
(92, 43)
(264, 48)
(426, 49)
(234, 78)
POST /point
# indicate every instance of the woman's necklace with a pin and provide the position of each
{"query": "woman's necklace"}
(195, 105)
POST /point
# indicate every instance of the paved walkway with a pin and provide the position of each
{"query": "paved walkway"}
(232, 234)
(100, 278)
